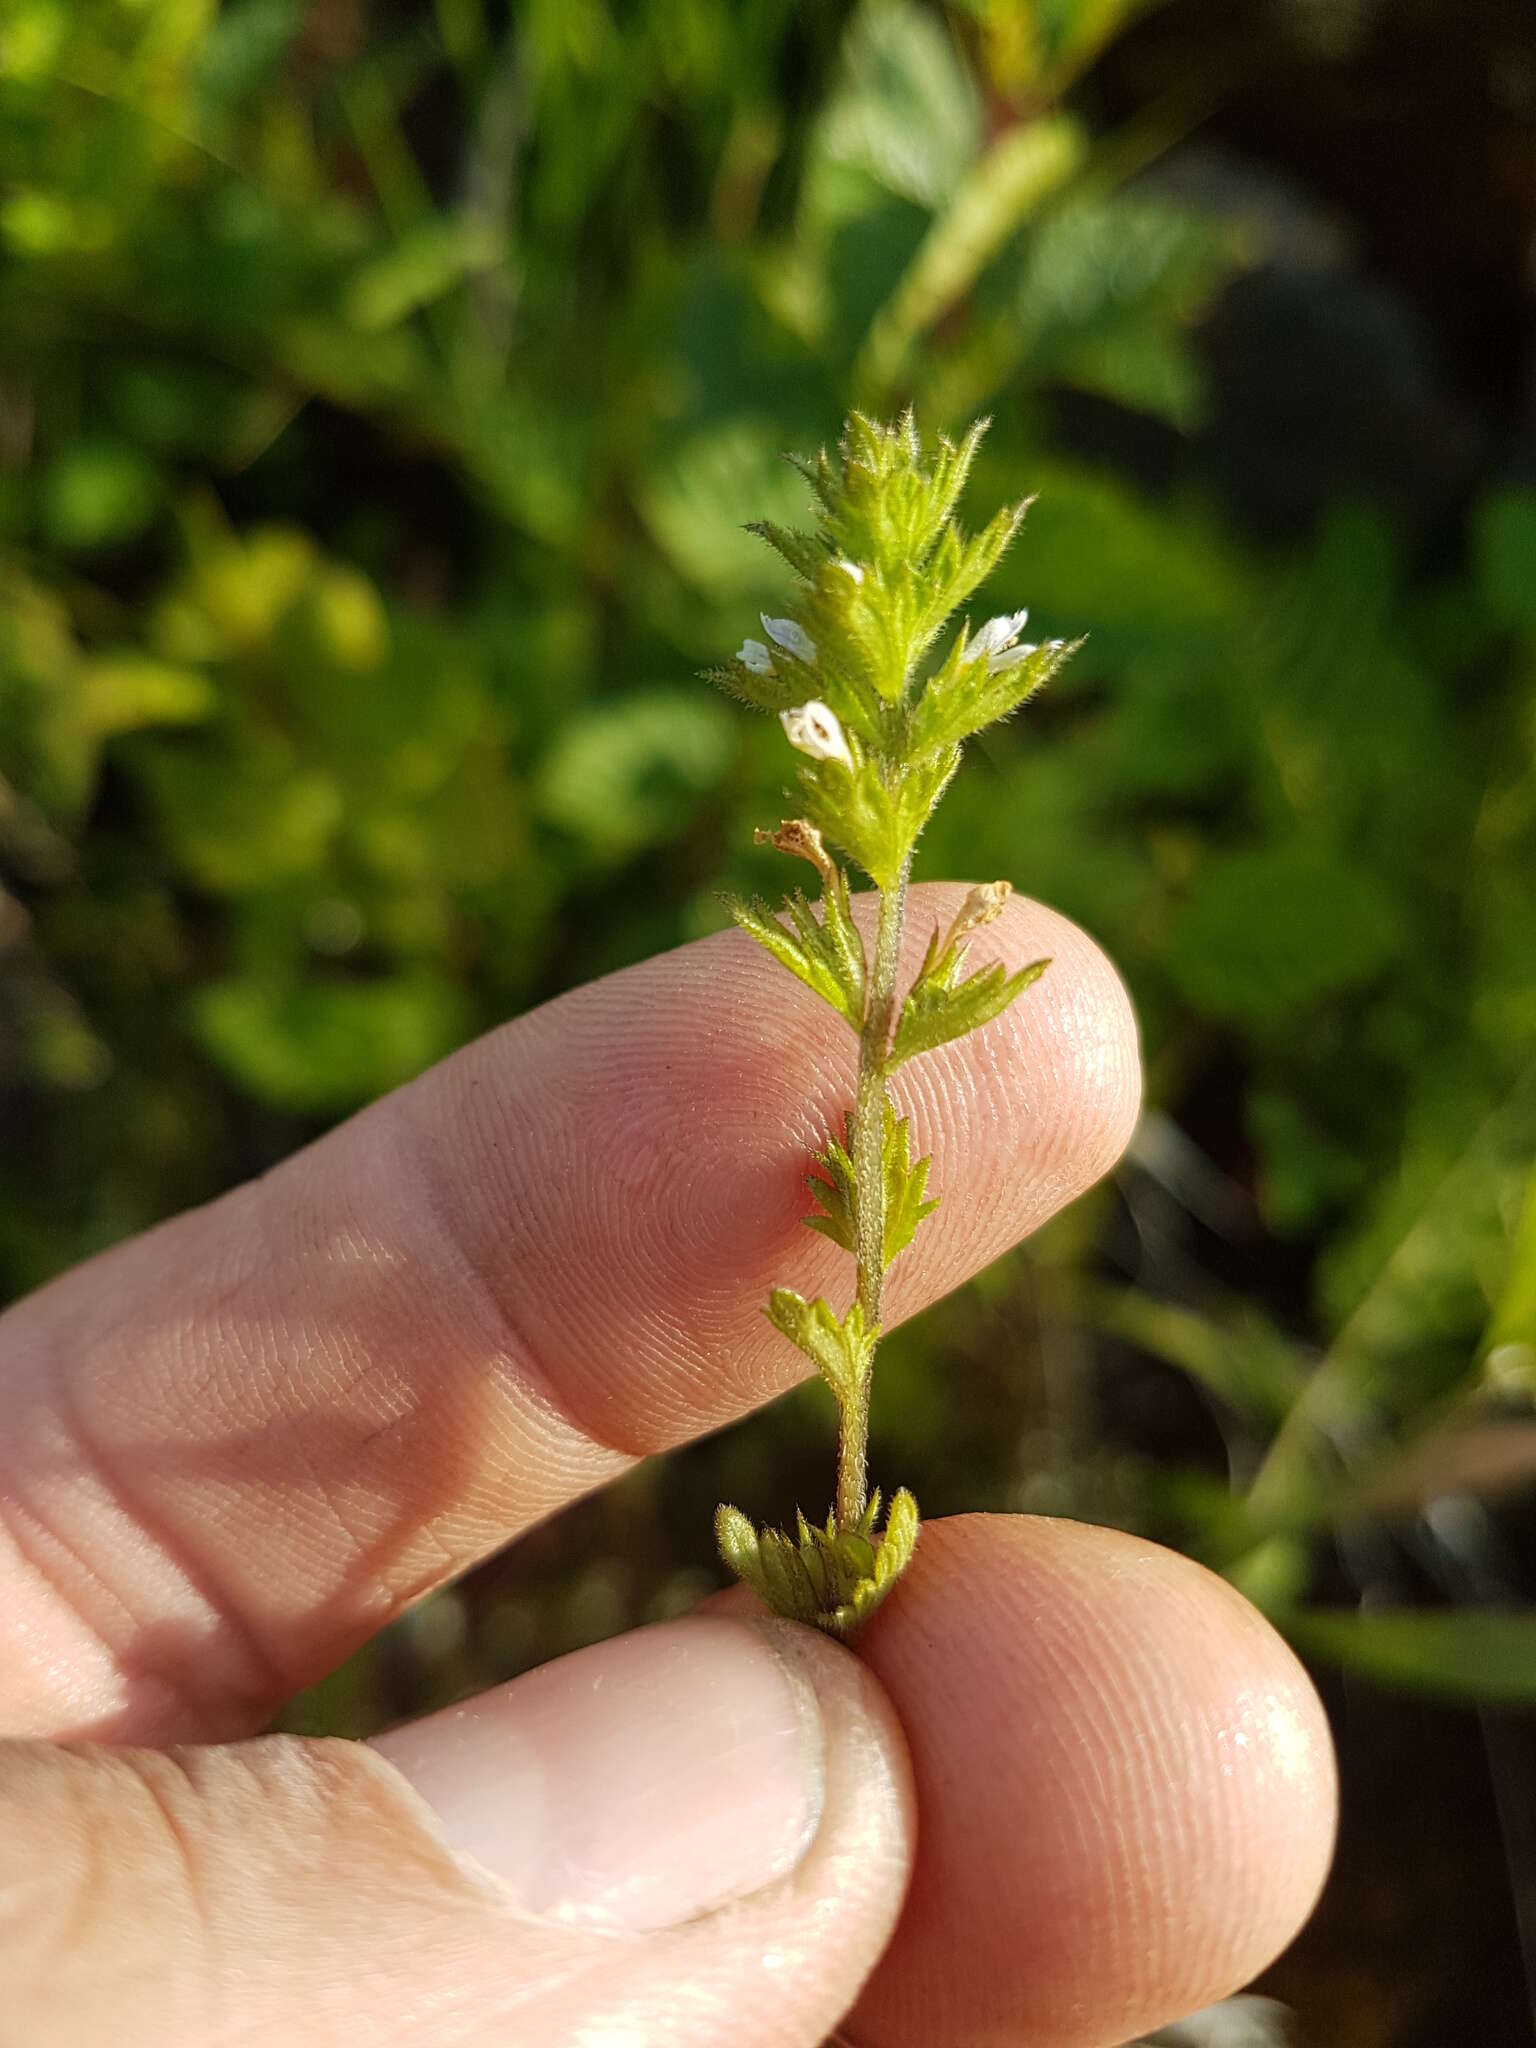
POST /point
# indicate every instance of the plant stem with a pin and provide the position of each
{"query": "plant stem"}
(869, 1187)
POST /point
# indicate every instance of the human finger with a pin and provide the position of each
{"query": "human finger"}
(699, 1831)
(1125, 1786)
(236, 1446)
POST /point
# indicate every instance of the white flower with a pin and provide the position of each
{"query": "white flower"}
(849, 568)
(813, 729)
(755, 656)
(792, 638)
(1010, 657)
(997, 634)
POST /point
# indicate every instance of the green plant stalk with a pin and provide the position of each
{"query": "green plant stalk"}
(879, 729)
(869, 1183)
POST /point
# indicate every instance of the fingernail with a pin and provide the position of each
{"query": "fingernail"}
(635, 1784)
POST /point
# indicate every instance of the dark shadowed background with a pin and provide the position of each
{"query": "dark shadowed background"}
(382, 389)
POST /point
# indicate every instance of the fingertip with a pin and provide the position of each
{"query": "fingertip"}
(1125, 1779)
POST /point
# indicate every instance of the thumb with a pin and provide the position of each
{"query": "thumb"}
(697, 1832)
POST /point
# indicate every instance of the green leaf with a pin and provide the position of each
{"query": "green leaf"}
(1109, 290)
(1509, 1361)
(833, 1578)
(827, 954)
(776, 690)
(429, 260)
(960, 564)
(875, 814)
(628, 772)
(237, 821)
(1242, 1359)
(97, 494)
(1417, 1335)
(1002, 189)
(1270, 932)
(907, 114)
(840, 1350)
(905, 1182)
(124, 691)
(1489, 1658)
(697, 502)
(804, 554)
(940, 1006)
(896, 1546)
(834, 1188)
(969, 693)
(771, 1565)
(739, 1546)
(327, 1046)
(932, 1015)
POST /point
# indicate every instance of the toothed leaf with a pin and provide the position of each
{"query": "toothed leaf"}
(933, 1013)
(840, 1350)
(905, 1181)
(833, 1579)
(971, 691)
(826, 954)
(876, 812)
(775, 689)
(804, 554)
(834, 1187)
(738, 1545)
(898, 1542)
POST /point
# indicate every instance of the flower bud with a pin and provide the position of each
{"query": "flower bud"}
(997, 634)
(791, 637)
(813, 729)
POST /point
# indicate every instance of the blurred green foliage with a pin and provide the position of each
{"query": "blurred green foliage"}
(381, 398)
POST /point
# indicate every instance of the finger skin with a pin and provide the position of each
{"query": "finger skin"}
(237, 1445)
(282, 1890)
(1126, 1808)
(1125, 1786)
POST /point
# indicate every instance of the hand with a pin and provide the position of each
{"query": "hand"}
(234, 1448)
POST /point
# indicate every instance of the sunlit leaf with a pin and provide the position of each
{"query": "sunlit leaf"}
(826, 953)
(1458, 1655)
(1000, 191)
(1268, 932)
(838, 1347)
(906, 114)
(967, 694)
(98, 493)
(834, 1187)
(1416, 1336)
(434, 257)
(323, 1047)
(625, 773)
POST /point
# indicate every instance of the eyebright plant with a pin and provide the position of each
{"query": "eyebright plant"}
(879, 716)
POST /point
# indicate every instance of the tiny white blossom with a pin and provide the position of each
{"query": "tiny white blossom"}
(1011, 657)
(850, 568)
(792, 638)
(755, 656)
(813, 729)
(997, 634)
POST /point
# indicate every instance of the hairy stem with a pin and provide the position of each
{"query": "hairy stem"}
(869, 1187)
